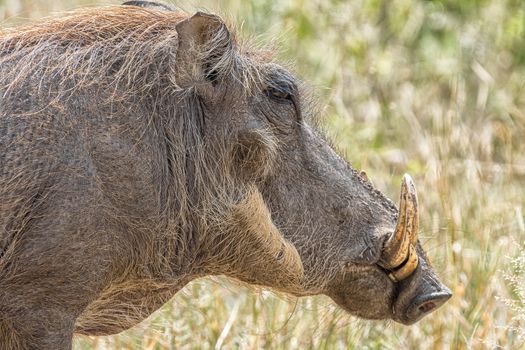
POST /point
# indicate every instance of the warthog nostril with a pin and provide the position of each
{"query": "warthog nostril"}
(427, 307)
(429, 302)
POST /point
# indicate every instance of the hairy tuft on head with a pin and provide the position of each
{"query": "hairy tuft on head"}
(129, 49)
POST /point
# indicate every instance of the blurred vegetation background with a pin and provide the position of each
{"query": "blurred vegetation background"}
(433, 88)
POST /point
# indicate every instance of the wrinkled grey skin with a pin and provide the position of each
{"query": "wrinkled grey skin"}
(352, 220)
(89, 237)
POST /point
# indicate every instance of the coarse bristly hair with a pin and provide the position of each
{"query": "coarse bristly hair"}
(123, 46)
(121, 62)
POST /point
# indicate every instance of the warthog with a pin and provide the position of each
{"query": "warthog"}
(141, 148)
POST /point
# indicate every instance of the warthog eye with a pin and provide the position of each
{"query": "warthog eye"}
(281, 88)
(279, 95)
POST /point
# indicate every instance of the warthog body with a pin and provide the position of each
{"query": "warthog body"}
(141, 148)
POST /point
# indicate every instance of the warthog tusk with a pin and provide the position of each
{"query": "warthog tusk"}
(407, 267)
(399, 253)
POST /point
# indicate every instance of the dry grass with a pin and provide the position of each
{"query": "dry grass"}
(435, 88)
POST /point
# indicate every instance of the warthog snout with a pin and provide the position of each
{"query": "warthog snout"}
(419, 295)
(419, 290)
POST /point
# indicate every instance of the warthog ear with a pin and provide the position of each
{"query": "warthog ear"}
(204, 50)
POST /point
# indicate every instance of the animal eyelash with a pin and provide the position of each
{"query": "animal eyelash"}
(279, 95)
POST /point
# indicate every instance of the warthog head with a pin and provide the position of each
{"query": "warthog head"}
(354, 244)
(181, 154)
